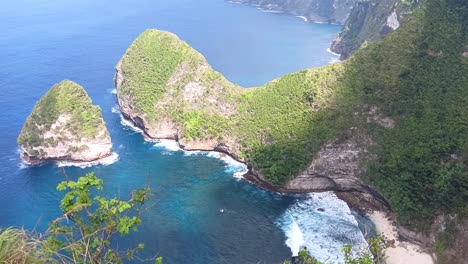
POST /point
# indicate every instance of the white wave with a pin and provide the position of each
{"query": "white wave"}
(125, 122)
(112, 91)
(334, 60)
(303, 18)
(269, 10)
(238, 169)
(114, 157)
(115, 109)
(170, 145)
(333, 53)
(324, 224)
(234, 167)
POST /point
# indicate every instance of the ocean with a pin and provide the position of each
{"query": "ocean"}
(200, 211)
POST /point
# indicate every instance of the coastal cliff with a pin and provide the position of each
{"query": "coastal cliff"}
(65, 126)
(363, 22)
(369, 21)
(388, 125)
(327, 11)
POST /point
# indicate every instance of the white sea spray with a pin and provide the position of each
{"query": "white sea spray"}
(324, 224)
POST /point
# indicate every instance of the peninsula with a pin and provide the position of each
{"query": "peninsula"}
(386, 126)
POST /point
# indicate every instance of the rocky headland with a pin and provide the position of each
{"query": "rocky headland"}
(65, 126)
(363, 128)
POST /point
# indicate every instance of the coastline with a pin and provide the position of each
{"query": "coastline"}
(64, 162)
(303, 17)
(367, 203)
(400, 252)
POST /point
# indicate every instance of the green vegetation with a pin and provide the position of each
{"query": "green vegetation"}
(368, 22)
(84, 232)
(149, 64)
(66, 99)
(417, 76)
(374, 253)
(421, 83)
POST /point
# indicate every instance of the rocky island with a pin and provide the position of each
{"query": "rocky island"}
(369, 128)
(65, 126)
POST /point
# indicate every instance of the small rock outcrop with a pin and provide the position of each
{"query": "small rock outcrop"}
(65, 126)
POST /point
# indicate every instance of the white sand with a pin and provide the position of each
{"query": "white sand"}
(403, 252)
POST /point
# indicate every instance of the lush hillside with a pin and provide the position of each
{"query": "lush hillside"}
(405, 94)
(370, 20)
(65, 124)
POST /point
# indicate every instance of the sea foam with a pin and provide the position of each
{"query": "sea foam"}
(167, 144)
(125, 122)
(113, 158)
(324, 224)
(112, 91)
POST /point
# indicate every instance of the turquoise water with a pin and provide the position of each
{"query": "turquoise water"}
(200, 213)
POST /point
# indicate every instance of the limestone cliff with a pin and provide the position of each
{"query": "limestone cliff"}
(169, 90)
(329, 11)
(392, 118)
(369, 21)
(64, 125)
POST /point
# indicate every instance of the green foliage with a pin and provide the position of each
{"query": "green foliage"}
(198, 124)
(67, 99)
(20, 246)
(421, 165)
(95, 221)
(148, 65)
(372, 254)
(415, 76)
(84, 233)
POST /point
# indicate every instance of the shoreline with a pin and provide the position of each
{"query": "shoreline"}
(368, 203)
(400, 252)
(106, 160)
(303, 17)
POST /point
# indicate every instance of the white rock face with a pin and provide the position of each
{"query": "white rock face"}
(69, 145)
(392, 21)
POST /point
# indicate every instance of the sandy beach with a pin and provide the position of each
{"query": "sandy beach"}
(403, 252)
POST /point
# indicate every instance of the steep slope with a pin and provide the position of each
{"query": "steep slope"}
(329, 11)
(395, 115)
(369, 21)
(64, 125)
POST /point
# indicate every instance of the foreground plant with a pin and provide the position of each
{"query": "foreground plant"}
(84, 231)
(373, 253)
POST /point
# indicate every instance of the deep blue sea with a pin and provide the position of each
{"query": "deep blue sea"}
(200, 213)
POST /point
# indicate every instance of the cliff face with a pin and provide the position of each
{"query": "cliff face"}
(392, 116)
(369, 21)
(364, 21)
(64, 125)
(329, 11)
(169, 90)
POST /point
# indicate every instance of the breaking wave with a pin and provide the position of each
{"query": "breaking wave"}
(324, 224)
(113, 158)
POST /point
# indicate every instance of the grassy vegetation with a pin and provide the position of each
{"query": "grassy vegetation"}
(84, 233)
(67, 98)
(149, 64)
(20, 246)
(417, 76)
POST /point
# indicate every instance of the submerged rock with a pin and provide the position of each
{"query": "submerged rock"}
(65, 126)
